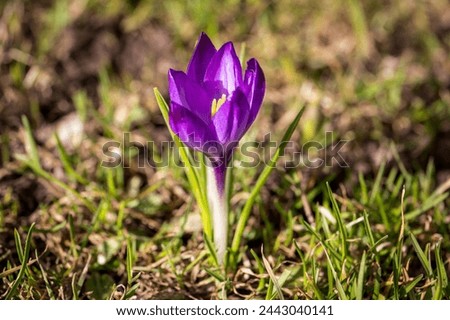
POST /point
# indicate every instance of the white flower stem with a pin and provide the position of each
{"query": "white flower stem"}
(218, 207)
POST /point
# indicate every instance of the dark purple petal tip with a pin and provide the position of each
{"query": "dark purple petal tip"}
(203, 53)
(225, 70)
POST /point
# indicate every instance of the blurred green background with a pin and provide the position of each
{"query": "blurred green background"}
(376, 73)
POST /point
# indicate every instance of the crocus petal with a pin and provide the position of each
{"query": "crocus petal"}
(190, 128)
(230, 121)
(203, 53)
(224, 73)
(185, 92)
(254, 88)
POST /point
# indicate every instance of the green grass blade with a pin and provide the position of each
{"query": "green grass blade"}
(330, 249)
(363, 186)
(359, 24)
(80, 100)
(396, 270)
(110, 183)
(341, 226)
(421, 255)
(431, 202)
(65, 160)
(261, 269)
(377, 184)
(130, 261)
(215, 275)
(44, 277)
(413, 283)
(73, 244)
(245, 214)
(281, 281)
(19, 247)
(272, 276)
(211, 249)
(361, 274)
(302, 260)
(269, 293)
(368, 229)
(339, 288)
(26, 255)
(192, 176)
(442, 280)
(32, 161)
(30, 144)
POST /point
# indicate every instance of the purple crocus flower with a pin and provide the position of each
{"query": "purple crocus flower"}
(212, 105)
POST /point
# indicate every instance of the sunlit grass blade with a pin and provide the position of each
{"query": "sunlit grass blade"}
(314, 281)
(65, 160)
(324, 243)
(442, 280)
(211, 249)
(429, 203)
(396, 270)
(361, 277)
(421, 255)
(73, 245)
(77, 285)
(368, 229)
(340, 223)
(281, 282)
(215, 275)
(302, 260)
(261, 269)
(307, 281)
(81, 103)
(363, 186)
(359, 24)
(26, 254)
(381, 207)
(272, 276)
(339, 288)
(18, 243)
(192, 176)
(45, 278)
(130, 261)
(377, 184)
(410, 286)
(245, 214)
(31, 159)
(196, 261)
(19, 250)
(30, 144)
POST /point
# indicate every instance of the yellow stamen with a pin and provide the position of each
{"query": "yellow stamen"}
(216, 104)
